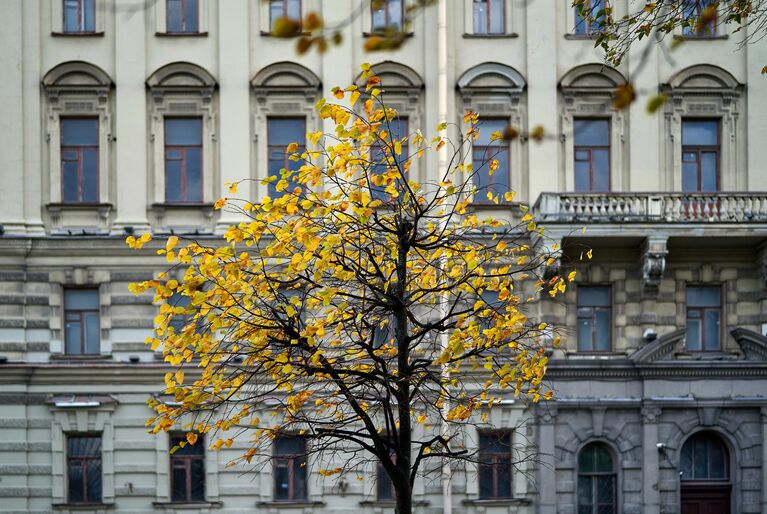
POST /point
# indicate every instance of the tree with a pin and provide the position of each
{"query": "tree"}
(356, 304)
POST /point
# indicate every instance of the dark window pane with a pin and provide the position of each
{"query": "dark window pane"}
(178, 487)
(69, 181)
(700, 458)
(75, 479)
(685, 464)
(582, 176)
(603, 461)
(708, 172)
(90, 174)
(503, 471)
(191, 16)
(81, 299)
(712, 330)
(196, 449)
(601, 169)
(486, 129)
(718, 465)
(700, 132)
(89, 14)
(496, 17)
(92, 338)
(289, 445)
(693, 334)
(183, 131)
(299, 478)
(384, 487)
(294, 9)
(193, 175)
(594, 296)
(173, 181)
(704, 296)
(93, 489)
(480, 16)
(73, 337)
(79, 132)
(283, 131)
(590, 132)
(690, 174)
(71, 16)
(281, 480)
(173, 16)
(605, 490)
(585, 334)
(602, 329)
(198, 479)
(84, 446)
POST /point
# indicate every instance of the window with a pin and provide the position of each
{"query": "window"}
(80, 160)
(495, 461)
(384, 334)
(704, 313)
(84, 469)
(289, 468)
(692, 10)
(284, 9)
(700, 156)
(187, 468)
(594, 319)
(704, 457)
(182, 16)
(484, 151)
(489, 16)
(79, 16)
(183, 160)
(280, 132)
(81, 313)
(592, 155)
(383, 149)
(596, 480)
(384, 486)
(386, 15)
(594, 16)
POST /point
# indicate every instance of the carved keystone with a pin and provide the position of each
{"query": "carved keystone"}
(654, 253)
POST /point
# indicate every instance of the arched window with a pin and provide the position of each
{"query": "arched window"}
(596, 480)
(704, 457)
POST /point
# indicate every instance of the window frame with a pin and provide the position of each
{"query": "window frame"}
(700, 149)
(83, 460)
(281, 148)
(502, 146)
(491, 460)
(80, 17)
(81, 320)
(593, 477)
(709, 437)
(183, 18)
(387, 17)
(386, 149)
(697, 8)
(590, 149)
(594, 309)
(183, 150)
(384, 481)
(291, 461)
(589, 31)
(187, 461)
(487, 24)
(703, 310)
(79, 150)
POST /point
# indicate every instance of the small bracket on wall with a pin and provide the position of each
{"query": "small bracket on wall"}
(654, 252)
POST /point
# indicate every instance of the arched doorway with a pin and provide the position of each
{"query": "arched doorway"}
(597, 492)
(704, 471)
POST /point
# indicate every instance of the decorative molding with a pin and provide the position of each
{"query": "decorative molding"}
(654, 252)
(753, 344)
(660, 349)
(286, 78)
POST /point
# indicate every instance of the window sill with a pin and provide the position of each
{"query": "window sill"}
(510, 35)
(79, 206)
(268, 33)
(595, 355)
(500, 502)
(77, 34)
(583, 37)
(80, 358)
(190, 505)
(694, 37)
(702, 355)
(290, 504)
(384, 34)
(83, 506)
(391, 503)
(183, 205)
(181, 34)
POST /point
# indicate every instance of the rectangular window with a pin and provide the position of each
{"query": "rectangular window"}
(79, 16)
(704, 314)
(183, 160)
(284, 9)
(280, 132)
(700, 156)
(589, 16)
(387, 15)
(187, 468)
(693, 10)
(182, 16)
(594, 319)
(289, 468)
(484, 152)
(84, 468)
(383, 155)
(81, 319)
(384, 485)
(592, 155)
(79, 160)
(489, 16)
(495, 464)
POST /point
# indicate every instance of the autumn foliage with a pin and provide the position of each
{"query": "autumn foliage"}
(357, 303)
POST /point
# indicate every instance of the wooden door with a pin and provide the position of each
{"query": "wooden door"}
(705, 498)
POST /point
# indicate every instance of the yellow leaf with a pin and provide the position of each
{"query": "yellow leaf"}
(571, 276)
(589, 254)
(171, 243)
(233, 187)
(179, 378)
(354, 97)
(191, 437)
(292, 147)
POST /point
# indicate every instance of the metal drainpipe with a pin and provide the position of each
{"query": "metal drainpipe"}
(447, 500)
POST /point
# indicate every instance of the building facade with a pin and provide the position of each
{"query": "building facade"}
(125, 116)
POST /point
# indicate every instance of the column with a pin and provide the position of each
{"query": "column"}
(650, 461)
(547, 475)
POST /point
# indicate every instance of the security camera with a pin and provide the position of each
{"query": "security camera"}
(660, 446)
(650, 335)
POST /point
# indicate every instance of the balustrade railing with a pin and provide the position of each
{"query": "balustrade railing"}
(653, 207)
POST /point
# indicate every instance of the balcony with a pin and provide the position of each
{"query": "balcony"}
(664, 208)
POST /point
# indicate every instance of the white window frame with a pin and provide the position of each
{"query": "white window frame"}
(57, 19)
(508, 18)
(161, 19)
(79, 278)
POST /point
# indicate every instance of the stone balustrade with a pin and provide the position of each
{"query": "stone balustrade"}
(722, 207)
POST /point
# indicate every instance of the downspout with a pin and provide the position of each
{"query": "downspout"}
(447, 500)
